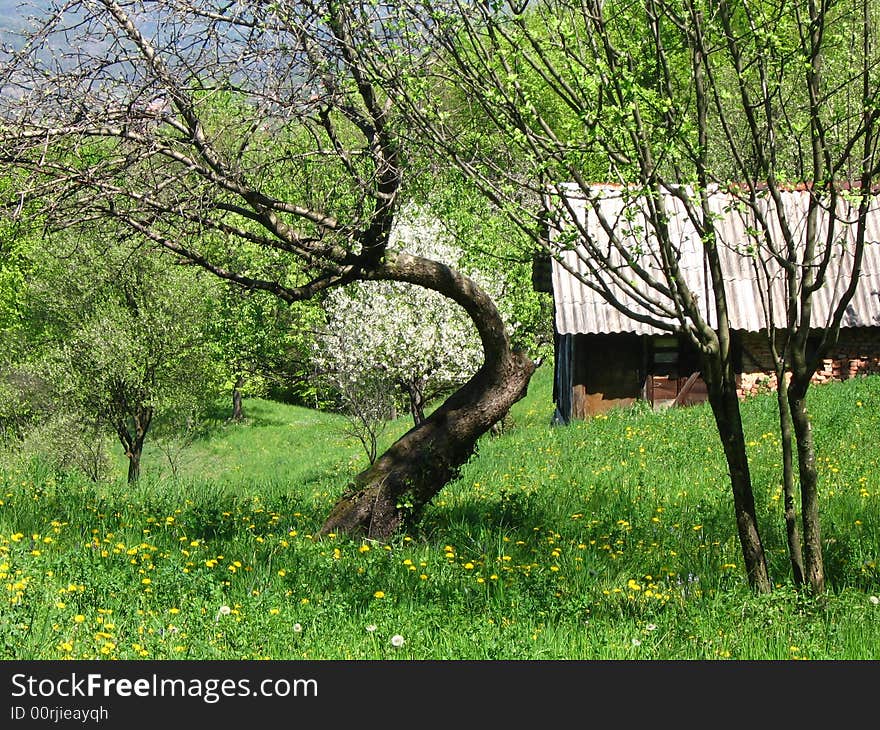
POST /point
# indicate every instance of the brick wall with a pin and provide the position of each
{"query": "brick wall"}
(857, 353)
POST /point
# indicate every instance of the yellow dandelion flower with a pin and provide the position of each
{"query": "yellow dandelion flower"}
(379, 594)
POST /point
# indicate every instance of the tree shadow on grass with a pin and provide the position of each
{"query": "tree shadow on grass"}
(508, 511)
(257, 412)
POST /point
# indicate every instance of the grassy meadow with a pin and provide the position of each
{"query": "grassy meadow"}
(608, 539)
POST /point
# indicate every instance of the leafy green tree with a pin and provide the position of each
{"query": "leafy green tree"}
(120, 333)
(261, 342)
(23, 398)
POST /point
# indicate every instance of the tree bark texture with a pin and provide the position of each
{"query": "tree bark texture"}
(814, 563)
(134, 464)
(237, 410)
(416, 397)
(793, 537)
(132, 439)
(725, 407)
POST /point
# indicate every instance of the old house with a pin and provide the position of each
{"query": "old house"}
(606, 358)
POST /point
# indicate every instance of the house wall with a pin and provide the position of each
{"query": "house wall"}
(607, 371)
(857, 353)
(604, 371)
(598, 372)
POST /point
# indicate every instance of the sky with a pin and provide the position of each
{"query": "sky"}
(15, 13)
(12, 14)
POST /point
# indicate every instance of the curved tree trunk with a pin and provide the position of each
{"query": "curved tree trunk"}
(398, 485)
(420, 463)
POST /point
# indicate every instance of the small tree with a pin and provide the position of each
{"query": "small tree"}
(367, 407)
(258, 341)
(122, 341)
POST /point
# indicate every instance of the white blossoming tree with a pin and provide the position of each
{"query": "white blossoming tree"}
(386, 345)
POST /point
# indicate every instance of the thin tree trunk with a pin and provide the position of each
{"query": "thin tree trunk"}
(730, 429)
(237, 411)
(809, 480)
(795, 551)
(725, 407)
(416, 397)
(132, 439)
(134, 463)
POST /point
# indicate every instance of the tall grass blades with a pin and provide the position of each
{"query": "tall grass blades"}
(611, 538)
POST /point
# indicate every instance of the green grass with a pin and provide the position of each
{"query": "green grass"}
(608, 539)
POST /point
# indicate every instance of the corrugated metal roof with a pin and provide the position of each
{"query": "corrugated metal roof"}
(752, 278)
